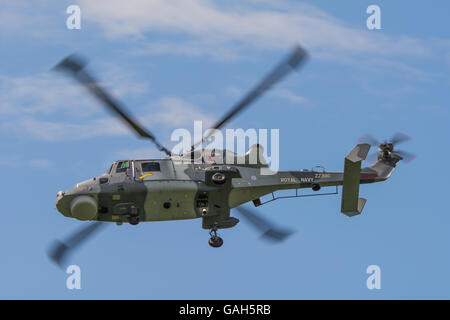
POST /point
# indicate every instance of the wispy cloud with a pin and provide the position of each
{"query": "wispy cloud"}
(228, 31)
(51, 108)
(213, 28)
(43, 93)
(140, 153)
(240, 28)
(224, 30)
(48, 107)
(26, 18)
(65, 130)
(40, 163)
(15, 161)
(177, 113)
(288, 95)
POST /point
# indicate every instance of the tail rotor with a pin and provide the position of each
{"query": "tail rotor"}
(386, 149)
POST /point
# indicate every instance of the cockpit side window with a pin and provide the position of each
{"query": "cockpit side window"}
(122, 166)
(110, 169)
(150, 166)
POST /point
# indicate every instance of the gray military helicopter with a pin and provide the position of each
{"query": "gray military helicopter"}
(204, 183)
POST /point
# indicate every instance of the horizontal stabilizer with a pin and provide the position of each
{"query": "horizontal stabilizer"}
(351, 204)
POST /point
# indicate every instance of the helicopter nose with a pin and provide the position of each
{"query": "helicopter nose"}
(59, 197)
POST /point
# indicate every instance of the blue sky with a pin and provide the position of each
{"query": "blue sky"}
(173, 62)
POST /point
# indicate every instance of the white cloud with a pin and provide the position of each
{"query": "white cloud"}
(10, 161)
(287, 95)
(141, 153)
(43, 94)
(64, 130)
(48, 107)
(224, 30)
(51, 92)
(25, 18)
(52, 108)
(15, 161)
(234, 92)
(178, 113)
(40, 163)
(280, 93)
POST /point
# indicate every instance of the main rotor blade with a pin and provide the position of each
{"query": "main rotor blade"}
(60, 251)
(268, 230)
(293, 61)
(74, 65)
(399, 137)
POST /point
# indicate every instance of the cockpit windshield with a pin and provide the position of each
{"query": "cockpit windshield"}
(122, 166)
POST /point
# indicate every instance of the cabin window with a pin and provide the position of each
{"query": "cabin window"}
(122, 166)
(150, 166)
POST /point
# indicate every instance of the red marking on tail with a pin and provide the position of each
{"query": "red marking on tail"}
(369, 175)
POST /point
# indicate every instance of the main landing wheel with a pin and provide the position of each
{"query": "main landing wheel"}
(133, 220)
(215, 241)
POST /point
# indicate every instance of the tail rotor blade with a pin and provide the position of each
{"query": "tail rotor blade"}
(387, 146)
(368, 138)
(267, 229)
(399, 137)
(407, 156)
(60, 251)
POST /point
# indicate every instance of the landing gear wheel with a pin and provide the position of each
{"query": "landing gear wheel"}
(215, 241)
(133, 220)
(218, 178)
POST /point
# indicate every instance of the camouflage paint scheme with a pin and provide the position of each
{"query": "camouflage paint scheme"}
(184, 189)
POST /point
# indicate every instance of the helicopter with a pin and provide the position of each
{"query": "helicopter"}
(203, 183)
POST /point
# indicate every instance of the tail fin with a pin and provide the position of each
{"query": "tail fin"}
(351, 204)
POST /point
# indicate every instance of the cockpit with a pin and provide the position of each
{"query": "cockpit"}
(118, 167)
(122, 166)
(133, 169)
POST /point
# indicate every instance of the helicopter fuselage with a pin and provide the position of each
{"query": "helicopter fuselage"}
(167, 189)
